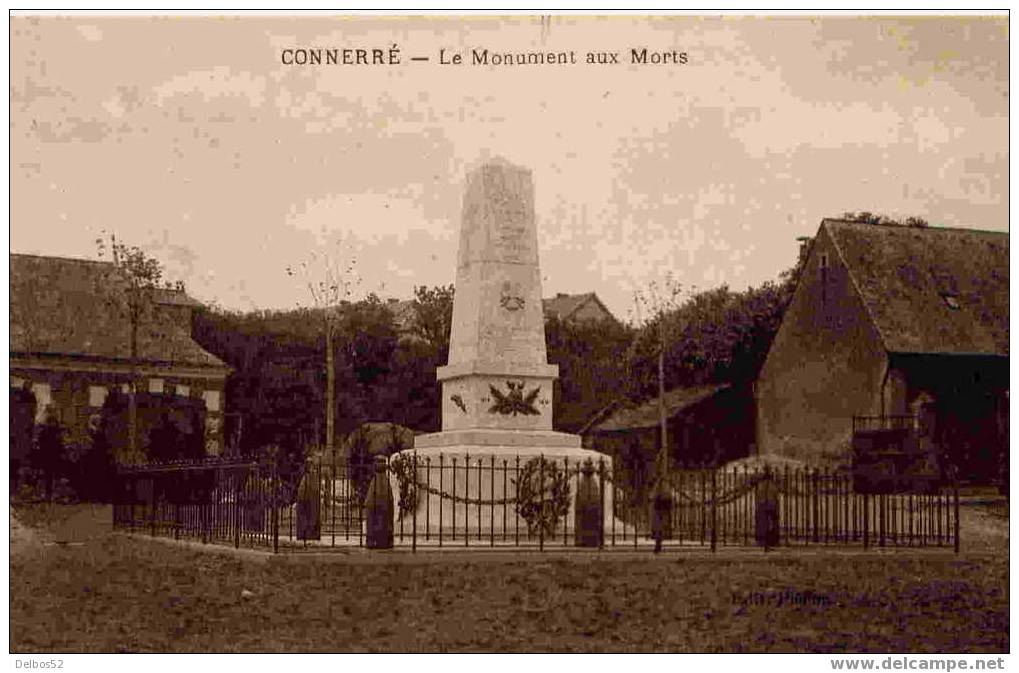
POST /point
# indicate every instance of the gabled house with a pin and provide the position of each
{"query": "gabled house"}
(895, 327)
(70, 350)
(707, 425)
(577, 307)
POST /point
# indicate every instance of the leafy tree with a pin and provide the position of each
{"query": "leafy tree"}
(21, 417)
(278, 382)
(433, 316)
(592, 366)
(871, 218)
(276, 387)
(132, 285)
(97, 467)
(721, 336)
(657, 312)
(370, 338)
(48, 458)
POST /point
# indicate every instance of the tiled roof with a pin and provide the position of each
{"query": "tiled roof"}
(563, 306)
(646, 415)
(930, 289)
(64, 306)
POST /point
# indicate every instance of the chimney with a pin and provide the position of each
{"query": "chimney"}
(804, 242)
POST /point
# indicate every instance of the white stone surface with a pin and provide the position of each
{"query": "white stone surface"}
(489, 474)
(497, 387)
(497, 338)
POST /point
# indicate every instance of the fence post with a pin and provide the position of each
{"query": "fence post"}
(491, 509)
(766, 511)
(440, 499)
(714, 509)
(332, 496)
(379, 519)
(541, 503)
(601, 499)
(566, 463)
(238, 513)
(866, 520)
(309, 499)
(955, 498)
(275, 510)
(882, 506)
(152, 505)
(815, 513)
(516, 498)
(414, 522)
(588, 514)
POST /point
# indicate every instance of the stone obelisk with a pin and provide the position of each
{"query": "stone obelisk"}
(497, 385)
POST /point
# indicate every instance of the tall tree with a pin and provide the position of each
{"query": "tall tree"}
(592, 359)
(868, 217)
(433, 316)
(656, 310)
(133, 282)
(331, 279)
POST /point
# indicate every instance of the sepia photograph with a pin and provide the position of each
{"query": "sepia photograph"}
(509, 332)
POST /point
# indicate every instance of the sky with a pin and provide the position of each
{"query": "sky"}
(189, 137)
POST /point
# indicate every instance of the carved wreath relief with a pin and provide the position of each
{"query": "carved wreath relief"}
(514, 402)
(511, 298)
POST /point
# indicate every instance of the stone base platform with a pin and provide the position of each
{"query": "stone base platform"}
(466, 480)
(512, 442)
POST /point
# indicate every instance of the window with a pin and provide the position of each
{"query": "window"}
(155, 385)
(43, 398)
(951, 301)
(183, 390)
(211, 398)
(96, 396)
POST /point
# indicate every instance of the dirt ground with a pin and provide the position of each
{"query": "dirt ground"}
(78, 587)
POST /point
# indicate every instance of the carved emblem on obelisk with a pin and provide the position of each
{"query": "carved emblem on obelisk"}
(514, 402)
(511, 298)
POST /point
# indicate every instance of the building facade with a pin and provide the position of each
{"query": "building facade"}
(707, 425)
(892, 322)
(70, 353)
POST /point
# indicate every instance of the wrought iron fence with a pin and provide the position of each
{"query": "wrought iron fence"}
(875, 423)
(523, 502)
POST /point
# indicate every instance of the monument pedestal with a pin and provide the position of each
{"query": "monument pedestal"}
(467, 484)
(497, 385)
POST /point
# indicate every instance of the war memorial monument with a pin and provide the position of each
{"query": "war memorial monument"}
(497, 388)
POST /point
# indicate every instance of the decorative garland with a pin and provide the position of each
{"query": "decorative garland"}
(544, 507)
(402, 468)
(543, 492)
(543, 495)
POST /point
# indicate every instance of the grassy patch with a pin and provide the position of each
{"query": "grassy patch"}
(114, 593)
